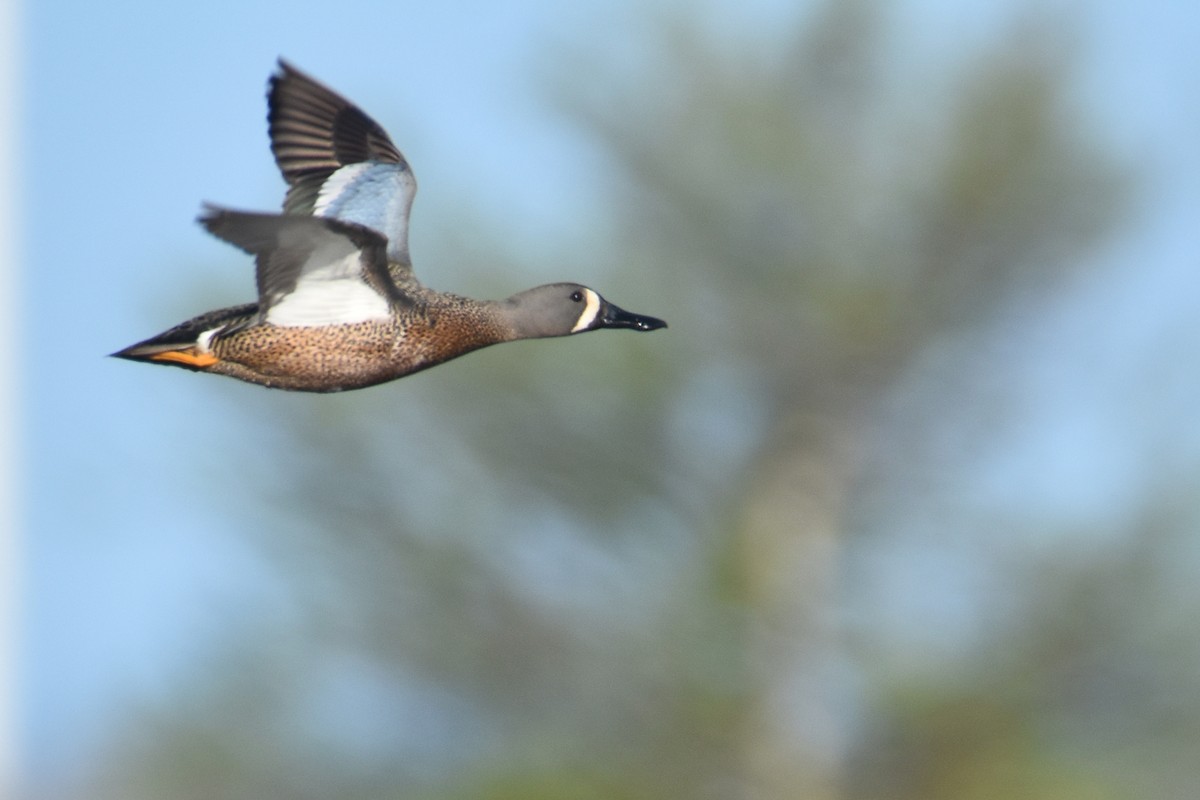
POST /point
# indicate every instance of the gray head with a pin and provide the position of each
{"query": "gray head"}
(560, 309)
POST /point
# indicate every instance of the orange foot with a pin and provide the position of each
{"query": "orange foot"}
(187, 358)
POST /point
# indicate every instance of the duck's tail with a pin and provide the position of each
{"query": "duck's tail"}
(181, 346)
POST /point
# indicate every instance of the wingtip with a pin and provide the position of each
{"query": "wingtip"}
(210, 218)
(209, 212)
(283, 68)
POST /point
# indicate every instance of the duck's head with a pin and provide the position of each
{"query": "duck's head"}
(560, 309)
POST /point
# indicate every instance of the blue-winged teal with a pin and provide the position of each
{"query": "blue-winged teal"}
(338, 304)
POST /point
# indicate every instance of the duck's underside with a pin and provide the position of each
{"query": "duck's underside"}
(299, 359)
(322, 359)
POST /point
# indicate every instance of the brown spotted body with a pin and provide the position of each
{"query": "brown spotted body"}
(338, 305)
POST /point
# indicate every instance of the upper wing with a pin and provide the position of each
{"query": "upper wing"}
(312, 271)
(337, 161)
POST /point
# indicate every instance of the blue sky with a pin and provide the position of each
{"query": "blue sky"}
(135, 112)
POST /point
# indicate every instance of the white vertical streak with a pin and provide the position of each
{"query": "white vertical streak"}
(9, 347)
(590, 310)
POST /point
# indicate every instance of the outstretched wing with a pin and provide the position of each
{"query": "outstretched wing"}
(311, 271)
(337, 161)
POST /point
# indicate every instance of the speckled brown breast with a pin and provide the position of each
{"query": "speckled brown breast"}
(339, 357)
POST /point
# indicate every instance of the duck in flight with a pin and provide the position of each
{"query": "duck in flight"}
(338, 305)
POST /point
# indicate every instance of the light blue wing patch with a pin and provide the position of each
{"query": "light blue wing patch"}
(375, 194)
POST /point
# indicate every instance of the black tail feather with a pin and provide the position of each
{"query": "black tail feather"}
(184, 335)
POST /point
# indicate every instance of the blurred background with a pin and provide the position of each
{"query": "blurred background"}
(902, 505)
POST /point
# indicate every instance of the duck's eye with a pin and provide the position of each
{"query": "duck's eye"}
(577, 297)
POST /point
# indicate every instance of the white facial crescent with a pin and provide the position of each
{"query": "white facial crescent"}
(590, 309)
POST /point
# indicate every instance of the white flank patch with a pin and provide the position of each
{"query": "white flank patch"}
(204, 340)
(590, 310)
